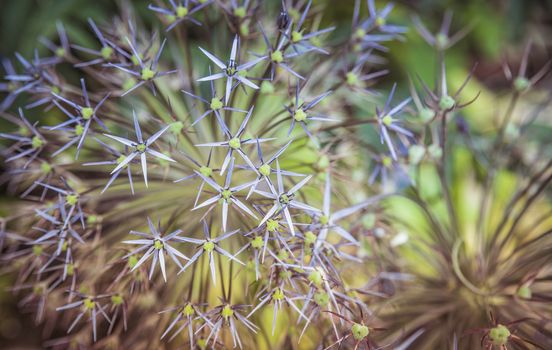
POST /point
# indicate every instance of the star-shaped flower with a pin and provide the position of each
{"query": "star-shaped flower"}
(140, 148)
(157, 246)
(231, 70)
(180, 11)
(284, 200)
(234, 143)
(386, 121)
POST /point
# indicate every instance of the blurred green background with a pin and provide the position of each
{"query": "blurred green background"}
(499, 27)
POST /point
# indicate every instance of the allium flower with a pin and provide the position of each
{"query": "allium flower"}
(284, 200)
(86, 114)
(146, 72)
(88, 305)
(157, 246)
(442, 40)
(231, 70)
(105, 54)
(180, 11)
(140, 148)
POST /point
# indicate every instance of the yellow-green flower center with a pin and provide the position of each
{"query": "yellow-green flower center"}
(521, 84)
(387, 120)
(499, 335)
(234, 143)
(37, 142)
(284, 199)
(72, 199)
(37, 250)
(209, 246)
(141, 147)
(271, 225)
(188, 310)
(265, 169)
(116, 299)
(446, 102)
(226, 194)
(79, 129)
(278, 294)
(206, 171)
(257, 242)
(147, 74)
(45, 167)
(240, 12)
(380, 21)
(106, 52)
(216, 103)
(310, 238)
(60, 52)
(296, 36)
(316, 277)
(352, 78)
(359, 331)
(157, 244)
(227, 311)
(89, 304)
(86, 113)
(300, 115)
(181, 11)
(277, 56)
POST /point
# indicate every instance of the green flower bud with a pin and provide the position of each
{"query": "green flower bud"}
(265, 170)
(321, 298)
(72, 199)
(271, 225)
(521, 84)
(181, 11)
(441, 41)
(188, 310)
(226, 194)
(176, 127)
(369, 221)
(89, 304)
(352, 78)
(37, 142)
(499, 335)
(310, 238)
(267, 87)
(206, 171)
(446, 103)
(37, 250)
(359, 331)
(141, 147)
(524, 292)
(227, 312)
(132, 261)
(157, 244)
(315, 278)
(79, 129)
(60, 52)
(435, 151)
(240, 12)
(106, 52)
(45, 167)
(380, 21)
(416, 154)
(426, 115)
(296, 36)
(116, 299)
(278, 294)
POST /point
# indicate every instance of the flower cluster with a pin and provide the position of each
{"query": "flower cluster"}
(244, 213)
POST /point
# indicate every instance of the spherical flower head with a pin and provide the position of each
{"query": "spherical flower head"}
(521, 84)
(147, 74)
(524, 292)
(271, 225)
(277, 56)
(45, 168)
(296, 36)
(234, 143)
(321, 298)
(278, 295)
(426, 115)
(188, 310)
(441, 41)
(310, 238)
(206, 171)
(300, 115)
(89, 304)
(446, 103)
(316, 278)
(240, 12)
(72, 199)
(359, 331)
(216, 103)
(37, 142)
(181, 11)
(106, 52)
(141, 147)
(257, 242)
(499, 335)
(227, 311)
(352, 78)
(265, 170)
(209, 246)
(116, 299)
(157, 244)
(79, 129)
